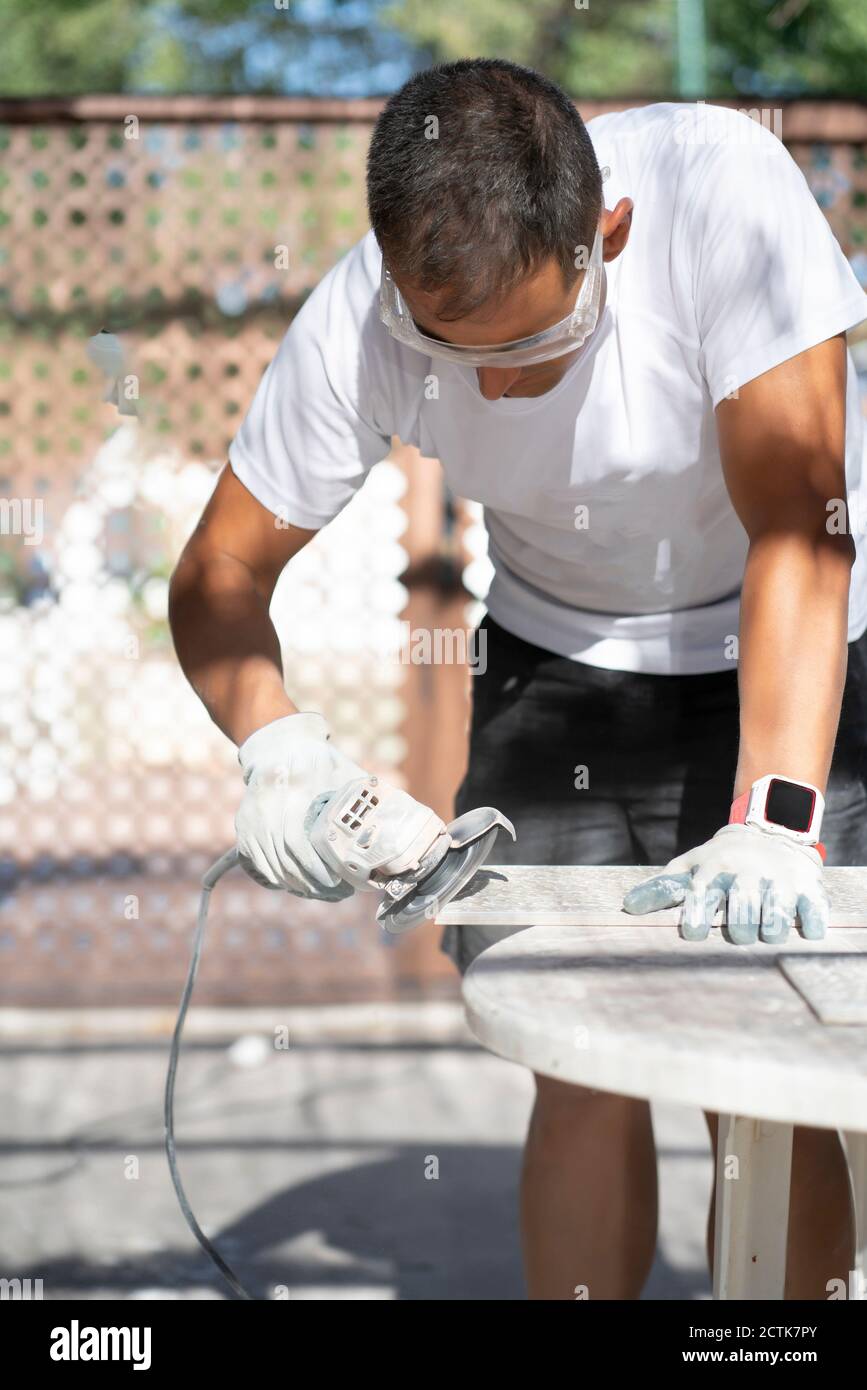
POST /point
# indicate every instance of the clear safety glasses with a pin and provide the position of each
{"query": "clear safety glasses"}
(561, 338)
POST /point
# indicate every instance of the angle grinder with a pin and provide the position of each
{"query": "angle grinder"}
(376, 838)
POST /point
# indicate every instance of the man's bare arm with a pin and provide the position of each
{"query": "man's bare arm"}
(218, 609)
(782, 446)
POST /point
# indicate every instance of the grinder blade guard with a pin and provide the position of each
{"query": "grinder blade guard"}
(378, 838)
(471, 839)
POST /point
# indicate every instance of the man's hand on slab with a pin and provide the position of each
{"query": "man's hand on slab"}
(765, 883)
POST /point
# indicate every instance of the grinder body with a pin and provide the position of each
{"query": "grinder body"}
(377, 837)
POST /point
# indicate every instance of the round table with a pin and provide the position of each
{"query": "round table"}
(636, 1010)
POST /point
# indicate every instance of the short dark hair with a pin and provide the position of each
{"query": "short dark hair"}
(510, 180)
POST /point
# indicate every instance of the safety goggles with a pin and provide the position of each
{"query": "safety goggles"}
(567, 335)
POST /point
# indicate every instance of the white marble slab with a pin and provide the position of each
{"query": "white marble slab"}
(519, 895)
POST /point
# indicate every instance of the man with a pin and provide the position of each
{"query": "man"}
(660, 449)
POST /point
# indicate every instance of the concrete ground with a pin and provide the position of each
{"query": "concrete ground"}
(375, 1157)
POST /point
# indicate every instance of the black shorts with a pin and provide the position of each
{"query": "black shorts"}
(594, 766)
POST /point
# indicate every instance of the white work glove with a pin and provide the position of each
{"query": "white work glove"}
(765, 880)
(288, 765)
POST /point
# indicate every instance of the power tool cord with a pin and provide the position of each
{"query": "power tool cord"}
(222, 866)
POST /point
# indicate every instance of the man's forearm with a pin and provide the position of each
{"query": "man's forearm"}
(792, 657)
(226, 643)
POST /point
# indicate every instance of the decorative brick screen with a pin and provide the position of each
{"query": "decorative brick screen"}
(195, 228)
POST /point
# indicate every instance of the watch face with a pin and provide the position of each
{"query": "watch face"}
(789, 805)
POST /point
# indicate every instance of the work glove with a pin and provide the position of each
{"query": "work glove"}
(289, 767)
(766, 881)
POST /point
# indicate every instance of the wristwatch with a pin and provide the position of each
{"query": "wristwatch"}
(782, 806)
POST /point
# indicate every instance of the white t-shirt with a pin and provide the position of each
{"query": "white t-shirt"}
(730, 269)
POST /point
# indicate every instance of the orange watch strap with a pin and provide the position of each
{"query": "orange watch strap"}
(738, 813)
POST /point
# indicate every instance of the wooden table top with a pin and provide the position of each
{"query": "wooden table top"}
(592, 996)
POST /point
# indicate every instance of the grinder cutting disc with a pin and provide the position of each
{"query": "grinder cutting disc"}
(472, 839)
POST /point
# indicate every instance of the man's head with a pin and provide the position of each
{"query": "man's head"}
(485, 195)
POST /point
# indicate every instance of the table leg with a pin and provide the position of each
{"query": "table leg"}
(753, 1172)
(856, 1152)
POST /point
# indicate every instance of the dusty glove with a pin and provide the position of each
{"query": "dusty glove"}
(766, 882)
(288, 767)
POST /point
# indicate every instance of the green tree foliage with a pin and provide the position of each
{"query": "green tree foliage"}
(594, 48)
(629, 47)
(601, 51)
(790, 47)
(67, 47)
